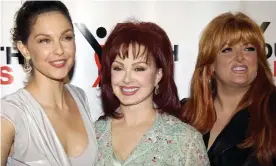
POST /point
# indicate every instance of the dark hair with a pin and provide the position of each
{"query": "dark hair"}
(158, 48)
(199, 110)
(28, 13)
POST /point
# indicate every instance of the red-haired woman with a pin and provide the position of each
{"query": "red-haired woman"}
(139, 98)
(233, 98)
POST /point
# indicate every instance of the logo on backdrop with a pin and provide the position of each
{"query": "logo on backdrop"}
(101, 33)
(269, 48)
(6, 72)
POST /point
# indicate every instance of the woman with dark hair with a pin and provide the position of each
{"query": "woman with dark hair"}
(139, 99)
(233, 98)
(48, 121)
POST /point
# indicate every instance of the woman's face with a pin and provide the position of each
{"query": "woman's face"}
(50, 46)
(133, 79)
(236, 65)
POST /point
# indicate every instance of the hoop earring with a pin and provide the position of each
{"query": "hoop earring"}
(156, 90)
(27, 67)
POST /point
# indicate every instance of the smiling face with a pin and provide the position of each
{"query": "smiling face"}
(51, 46)
(133, 78)
(236, 65)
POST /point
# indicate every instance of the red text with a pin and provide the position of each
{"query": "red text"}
(6, 75)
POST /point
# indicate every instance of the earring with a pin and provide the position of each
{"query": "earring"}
(27, 67)
(156, 90)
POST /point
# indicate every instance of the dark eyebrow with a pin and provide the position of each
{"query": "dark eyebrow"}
(132, 64)
(47, 35)
(139, 63)
(119, 63)
(41, 34)
(67, 30)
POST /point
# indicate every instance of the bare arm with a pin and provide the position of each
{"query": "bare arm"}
(7, 137)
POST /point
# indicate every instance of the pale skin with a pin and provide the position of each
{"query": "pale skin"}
(231, 84)
(48, 43)
(138, 112)
(128, 131)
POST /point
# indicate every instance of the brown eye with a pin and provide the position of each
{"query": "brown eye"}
(116, 68)
(69, 38)
(250, 49)
(44, 41)
(139, 69)
(225, 50)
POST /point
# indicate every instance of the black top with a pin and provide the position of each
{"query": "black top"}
(225, 151)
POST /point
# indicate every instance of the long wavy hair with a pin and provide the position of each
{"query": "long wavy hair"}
(230, 28)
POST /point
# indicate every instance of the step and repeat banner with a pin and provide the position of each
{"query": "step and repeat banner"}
(182, 20)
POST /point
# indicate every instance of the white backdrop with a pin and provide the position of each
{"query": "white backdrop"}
(182, 20)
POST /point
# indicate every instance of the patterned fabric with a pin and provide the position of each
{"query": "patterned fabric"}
(169, 142)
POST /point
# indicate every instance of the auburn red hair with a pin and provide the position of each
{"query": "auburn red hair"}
(158, 48)
(229, 28)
